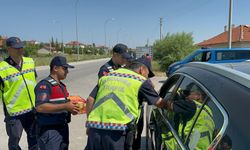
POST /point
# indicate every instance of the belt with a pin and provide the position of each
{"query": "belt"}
(49, 127)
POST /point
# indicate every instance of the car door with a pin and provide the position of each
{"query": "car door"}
(158, 124)
(191, 124)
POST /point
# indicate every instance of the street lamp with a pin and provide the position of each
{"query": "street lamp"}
(77, 44)
(118, 32)
(230, 24)
(62, 37)
(105, 33)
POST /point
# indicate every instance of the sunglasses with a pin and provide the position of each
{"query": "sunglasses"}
(64, 68)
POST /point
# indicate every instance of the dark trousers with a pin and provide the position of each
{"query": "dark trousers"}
(137, 137)
(14, 128)
(99, 139)
(55, 137)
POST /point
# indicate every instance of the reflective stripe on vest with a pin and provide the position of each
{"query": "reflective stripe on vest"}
(18, 93)
(116, 103)
(108, 126)
(15, 92)
(57, 99)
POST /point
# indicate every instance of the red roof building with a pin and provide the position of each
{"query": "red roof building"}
(74, 44)
(240, 38)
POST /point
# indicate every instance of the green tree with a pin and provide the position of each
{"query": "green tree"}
(41, 45)
(101, 51)
(52, 42)
(57, 46)
(30, 49)
(173, 48)
(68, 50)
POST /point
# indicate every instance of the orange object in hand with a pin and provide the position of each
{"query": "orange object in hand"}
(80, 102)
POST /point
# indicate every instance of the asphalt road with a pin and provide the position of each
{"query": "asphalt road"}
(80, 81)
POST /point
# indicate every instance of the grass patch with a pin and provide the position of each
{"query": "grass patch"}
(43, 60)
(156, 69)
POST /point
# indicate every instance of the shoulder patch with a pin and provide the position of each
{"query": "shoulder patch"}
(42, 96)
(43, 87)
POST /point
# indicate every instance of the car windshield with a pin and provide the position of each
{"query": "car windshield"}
(189, 56)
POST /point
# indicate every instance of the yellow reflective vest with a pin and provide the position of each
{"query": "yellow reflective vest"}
(116, 103)
(202, 133)
(17, 86)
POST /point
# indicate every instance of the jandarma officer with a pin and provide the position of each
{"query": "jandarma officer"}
(112, 119)
(17, 82)
(53, 107)
(120, 57)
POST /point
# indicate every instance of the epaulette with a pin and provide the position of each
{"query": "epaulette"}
(110, 68)
(51, 81)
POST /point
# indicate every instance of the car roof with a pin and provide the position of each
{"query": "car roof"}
(237, 73)
(223, 49)
(240, 66)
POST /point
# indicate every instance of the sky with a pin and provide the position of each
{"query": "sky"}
(132, 22)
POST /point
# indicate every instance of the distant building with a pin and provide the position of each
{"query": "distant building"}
(2, 41)
(44, 50)
(240, 38)
(101, 47)
(33, 42)
(143, 50)
(49, 48)
(74, 44)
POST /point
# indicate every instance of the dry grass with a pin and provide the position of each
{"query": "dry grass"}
(160, 74)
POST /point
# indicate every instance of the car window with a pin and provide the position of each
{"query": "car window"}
(193, 116)
(204, 56)
(198, 57)
(168, 87)
(232, 55)
(208, 56)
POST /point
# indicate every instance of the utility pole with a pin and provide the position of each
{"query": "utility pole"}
(160, 28)
(50, 47)
(230, 24)
(105, 32)
(77, 43)
(62, 38)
